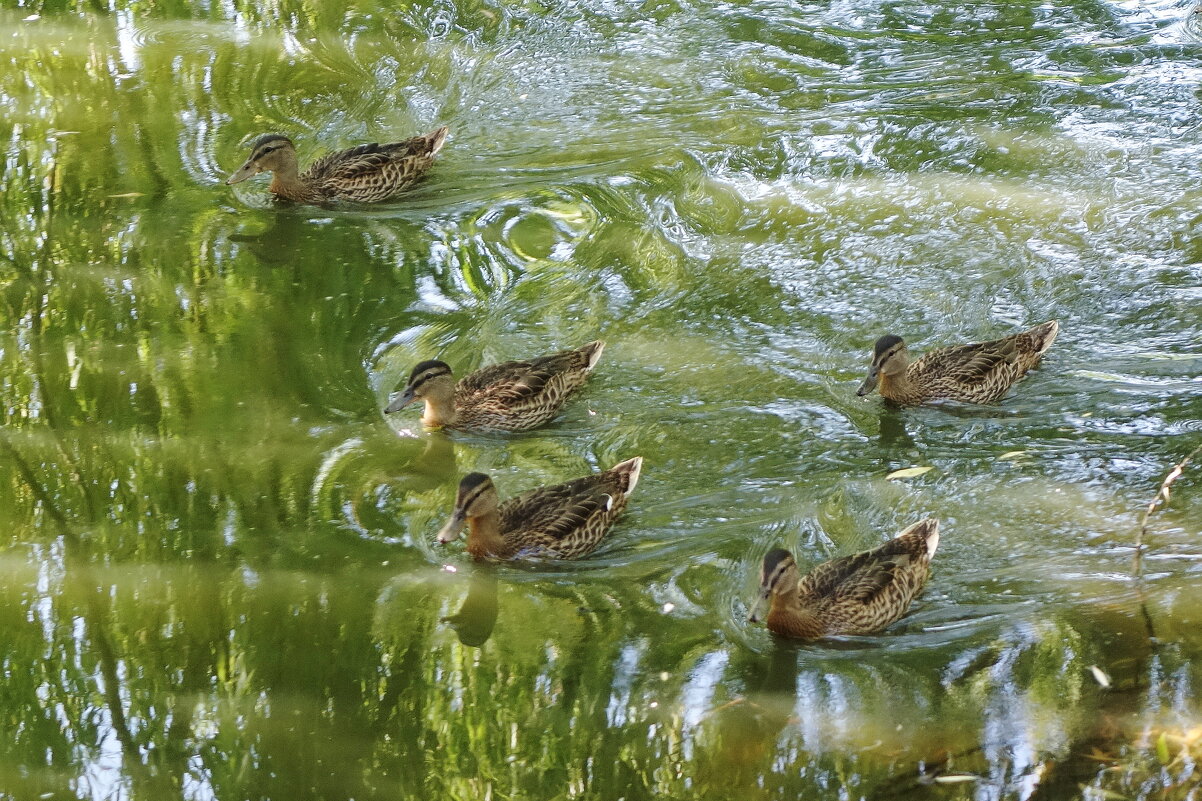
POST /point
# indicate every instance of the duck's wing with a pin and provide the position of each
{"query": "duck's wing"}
(513, 382)
(350, 165)
(548, 516)
(862, 576)
(858, 577)
(970, 364)
(394, 163)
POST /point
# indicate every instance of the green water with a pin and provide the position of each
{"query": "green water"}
(219, 573)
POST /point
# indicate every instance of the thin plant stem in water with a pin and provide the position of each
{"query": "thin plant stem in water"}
(1161, 498)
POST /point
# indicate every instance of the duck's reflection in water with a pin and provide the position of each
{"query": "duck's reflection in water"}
(894, 436)
(743, 733)
(477, 615)
(434, 467)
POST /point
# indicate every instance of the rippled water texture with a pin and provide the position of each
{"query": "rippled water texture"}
(219, 573)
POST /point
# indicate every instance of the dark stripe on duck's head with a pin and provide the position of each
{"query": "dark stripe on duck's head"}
(441, 368)
(775, 559)
(471, 487)
(268, 138)
(471, 481)
(884, 344)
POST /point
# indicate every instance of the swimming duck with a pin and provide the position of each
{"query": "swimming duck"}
(978, 373)
(565, 521)
(363, 174)
(858, 594)
(513, 396)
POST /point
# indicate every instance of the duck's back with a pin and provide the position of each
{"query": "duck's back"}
(374, 172)
(564, 521)
(864, 592)
(981, 372)
(515, 396)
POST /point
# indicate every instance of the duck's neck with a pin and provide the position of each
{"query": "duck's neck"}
(899, 388)
(440, 411)
(286, 182)
(789, 618)
(286, 179)
(484, 538)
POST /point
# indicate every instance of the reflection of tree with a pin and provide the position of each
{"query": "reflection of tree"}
(154, 452)
(200, 494)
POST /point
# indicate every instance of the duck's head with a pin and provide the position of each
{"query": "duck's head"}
(430, 379)
(476, 497)
(268, 153)
(779, 576)
(890, 357)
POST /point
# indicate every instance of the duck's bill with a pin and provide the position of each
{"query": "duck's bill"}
(450, 532)
(407, 397)
(869, 383)
(247, 170)
(759, 608)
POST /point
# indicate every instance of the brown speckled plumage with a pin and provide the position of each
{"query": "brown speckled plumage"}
(978, 373)
(364, 174)
(858, 594)
(565, 521)
(513, 396)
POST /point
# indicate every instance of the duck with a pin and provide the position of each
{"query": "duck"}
(858, 594)
(564, 521)
(364, 174)
(511, 396)
(981, 372)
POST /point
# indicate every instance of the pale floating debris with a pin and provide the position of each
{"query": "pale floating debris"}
(129, 194)
(664, 675)
(1099, 676)
(33, 18)
(1011, 455)
(668, 607)
(1172, 357)
(654, 704)
(450, 568)
(523, 96)
(908, 472)
(955, 778)
(592, 413)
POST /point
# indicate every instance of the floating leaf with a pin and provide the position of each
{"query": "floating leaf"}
(1011, 455)
(956, 778)
(1162, 749)
(1099, 676)
(908, 472)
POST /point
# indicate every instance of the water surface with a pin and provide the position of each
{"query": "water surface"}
(220, 580)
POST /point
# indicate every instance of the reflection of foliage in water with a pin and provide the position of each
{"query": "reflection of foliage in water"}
(219, 573)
